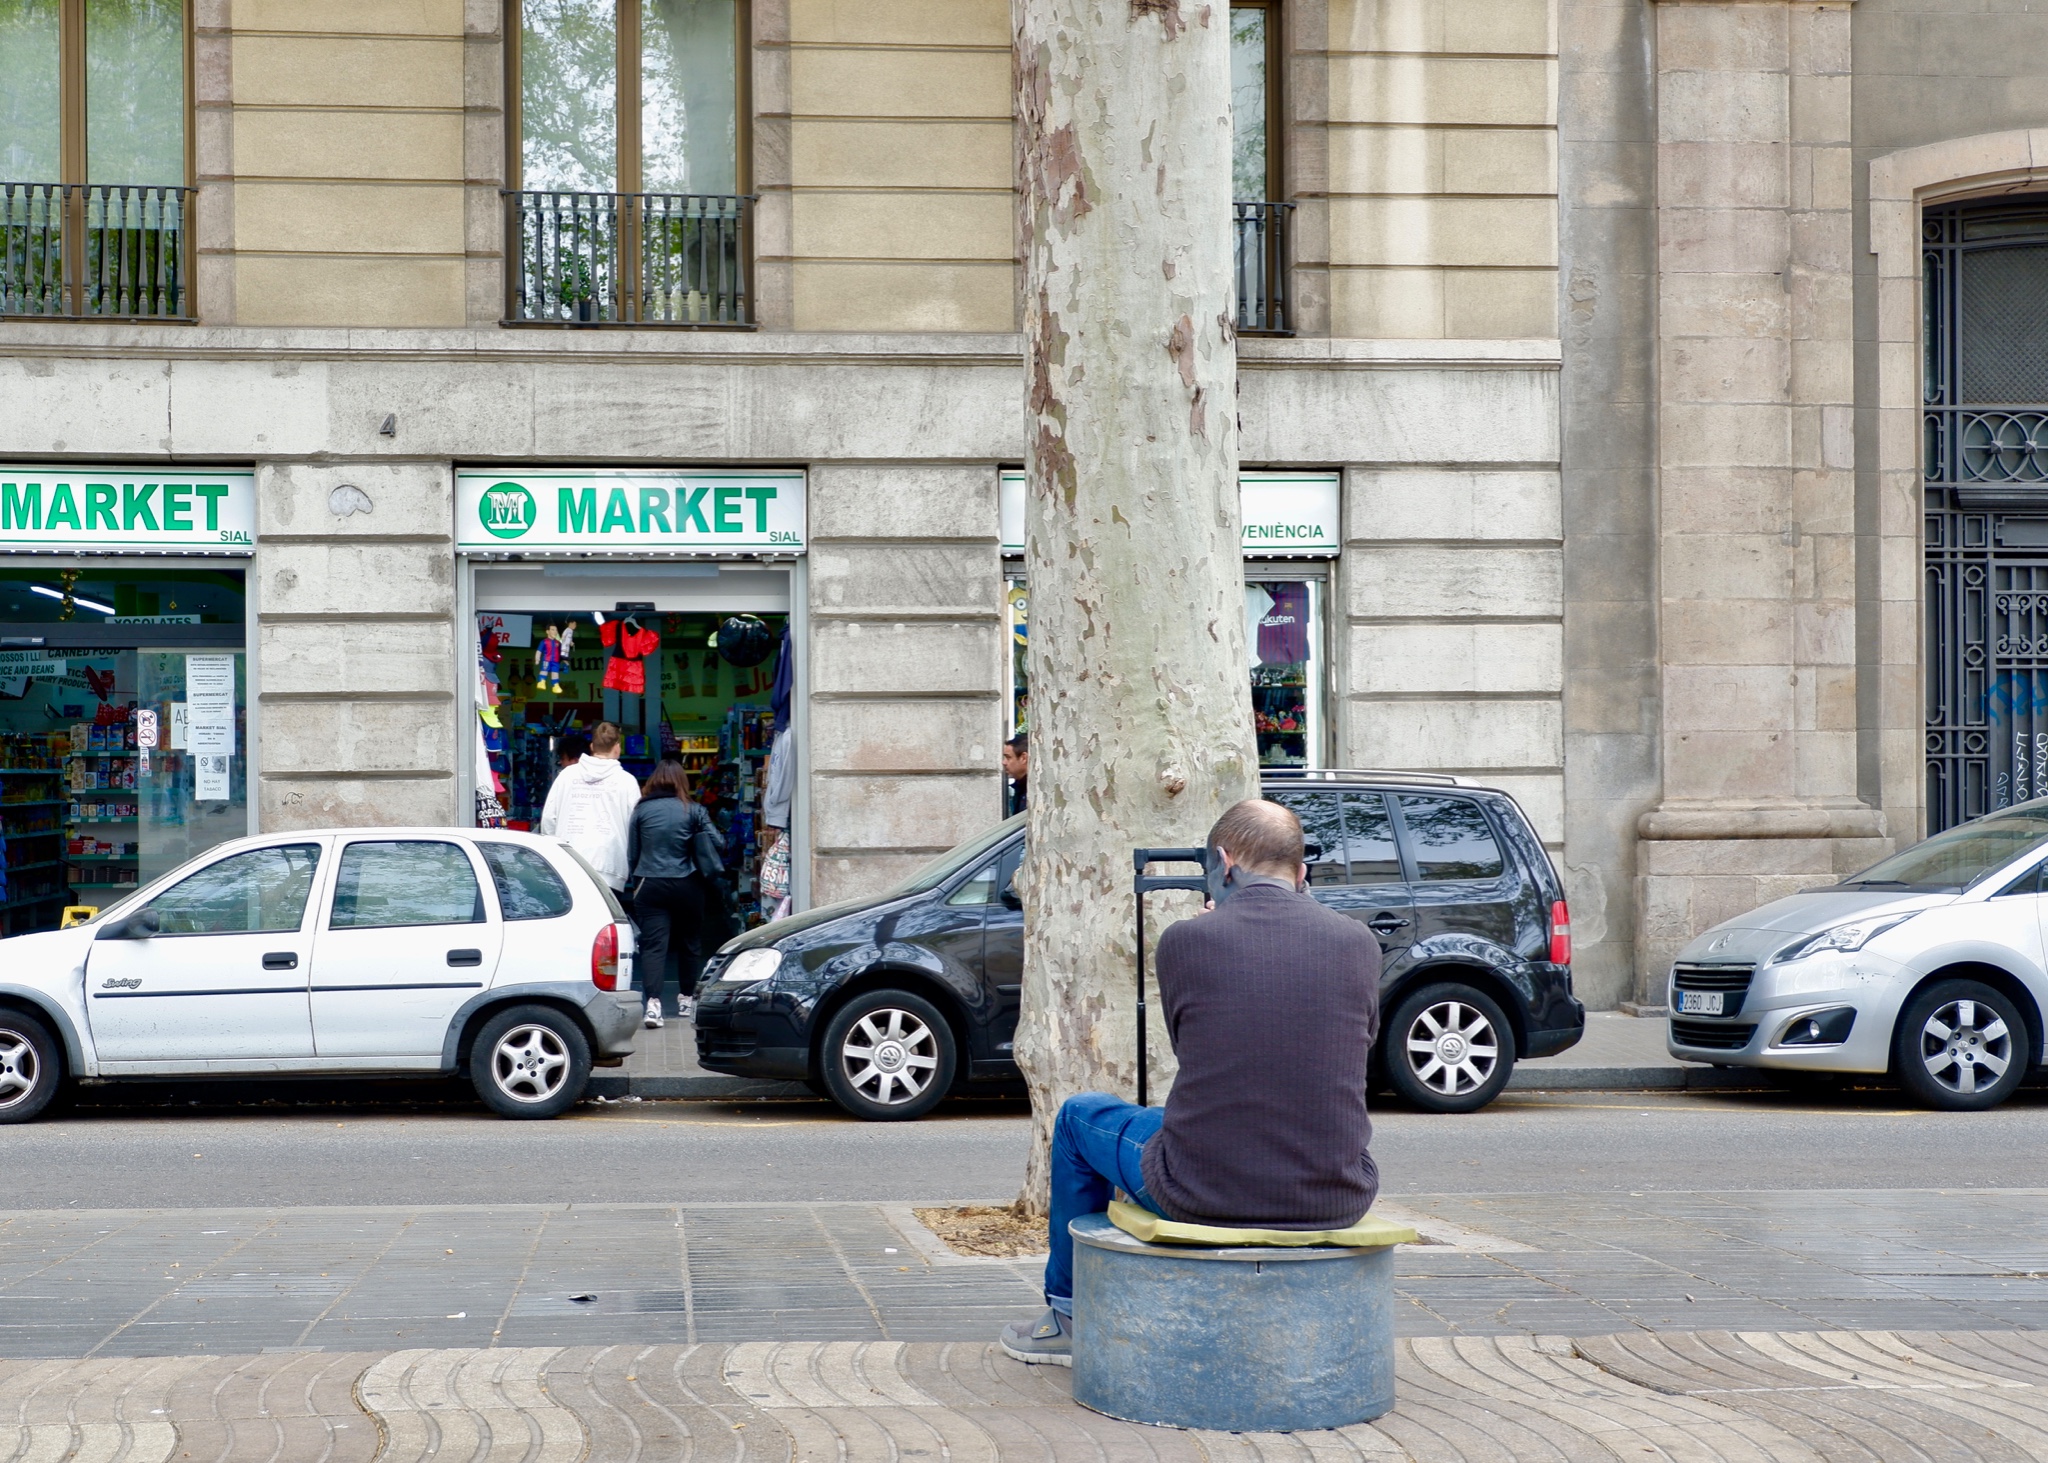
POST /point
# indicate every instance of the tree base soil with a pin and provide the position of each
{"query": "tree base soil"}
(986, 1231)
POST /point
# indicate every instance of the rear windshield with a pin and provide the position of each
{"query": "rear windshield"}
(1958, 858)
(946, 865)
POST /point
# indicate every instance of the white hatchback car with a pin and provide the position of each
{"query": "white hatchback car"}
(1930, 965)
(360, 951)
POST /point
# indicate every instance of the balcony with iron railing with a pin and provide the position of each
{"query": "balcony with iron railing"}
(106, 251)
(1261, 234)
(678, 259)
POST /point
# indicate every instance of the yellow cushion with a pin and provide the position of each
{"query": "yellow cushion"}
(1143, 1224)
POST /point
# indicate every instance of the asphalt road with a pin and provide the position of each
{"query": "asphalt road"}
(103, 1156)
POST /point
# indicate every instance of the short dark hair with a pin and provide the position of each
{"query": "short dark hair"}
(570, 746)
(1263, 836)
(1020, 744)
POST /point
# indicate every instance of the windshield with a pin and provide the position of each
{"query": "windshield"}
(948, 864)
(1961, 856)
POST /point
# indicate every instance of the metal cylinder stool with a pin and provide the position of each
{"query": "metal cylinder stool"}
(1251, 1338)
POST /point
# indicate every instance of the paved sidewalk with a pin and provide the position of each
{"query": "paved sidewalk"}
(1624, 1053)
(1757, 1397)
(174, 1282)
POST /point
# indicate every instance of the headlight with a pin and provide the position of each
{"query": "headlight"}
(750, 967)
(1841, 938)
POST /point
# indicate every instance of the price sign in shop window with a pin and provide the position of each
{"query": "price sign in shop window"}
(210, 723)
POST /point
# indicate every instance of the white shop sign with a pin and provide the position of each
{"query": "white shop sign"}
(115, 509)
(1286, 514)
(210, 722)
(601, 511)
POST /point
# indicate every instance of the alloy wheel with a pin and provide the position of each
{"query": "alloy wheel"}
(889, 1056)
(1965, 1045)
(20, 1069)
(1452, 1047)
(530, 1064)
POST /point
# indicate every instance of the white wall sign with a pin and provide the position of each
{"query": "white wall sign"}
(39, 664)
(210, 722)
(595, 511)
(517, 630)
(110, 508)
(1286, 514)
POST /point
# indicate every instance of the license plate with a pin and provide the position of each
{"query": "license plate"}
(1700, 1003)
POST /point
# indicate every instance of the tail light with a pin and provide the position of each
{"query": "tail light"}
(604, 958)
(1560, 934)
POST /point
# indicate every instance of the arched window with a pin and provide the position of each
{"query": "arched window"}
(1986, 465)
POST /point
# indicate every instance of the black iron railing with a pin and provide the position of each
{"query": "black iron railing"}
(627, 259)
(95, 250)
(1262, 307)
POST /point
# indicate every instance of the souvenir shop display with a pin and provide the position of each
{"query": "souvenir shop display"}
(668, 681)
(1277, 633)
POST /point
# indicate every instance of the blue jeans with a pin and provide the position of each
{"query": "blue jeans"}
(1096, 1144)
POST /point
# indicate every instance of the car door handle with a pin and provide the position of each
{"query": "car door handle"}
(465, 957)
(1386, 924)
(281, 960)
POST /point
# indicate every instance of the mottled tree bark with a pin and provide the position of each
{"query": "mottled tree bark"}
(1141, 728)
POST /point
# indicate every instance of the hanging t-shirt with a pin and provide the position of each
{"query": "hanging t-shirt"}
(630, 646)
(1257, 605)
(1283, 633)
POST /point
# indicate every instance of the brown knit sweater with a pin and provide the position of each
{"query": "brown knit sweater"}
(1272, 1002)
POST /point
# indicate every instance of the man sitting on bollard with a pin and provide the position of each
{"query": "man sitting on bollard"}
(1272, 1004)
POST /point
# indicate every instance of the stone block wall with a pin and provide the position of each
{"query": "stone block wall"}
(906, 669)
(356, 672)
(1435, 212)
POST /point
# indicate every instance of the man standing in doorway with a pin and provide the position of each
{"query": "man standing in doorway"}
(1017, 767)
(590, 806)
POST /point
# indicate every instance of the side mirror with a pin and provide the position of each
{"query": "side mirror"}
(1010, 898)
(137, 926)
(1310, 852)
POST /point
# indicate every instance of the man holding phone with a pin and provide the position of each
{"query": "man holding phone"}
(1272, 1004)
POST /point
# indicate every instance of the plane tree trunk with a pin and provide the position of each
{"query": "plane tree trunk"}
(1141, 728)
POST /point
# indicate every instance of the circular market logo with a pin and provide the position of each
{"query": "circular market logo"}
(506, 510)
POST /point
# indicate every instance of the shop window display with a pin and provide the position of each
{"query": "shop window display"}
(123, 736)
(1280, 625)
(698, 685)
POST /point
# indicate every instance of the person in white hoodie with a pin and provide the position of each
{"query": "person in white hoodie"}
(590, 806)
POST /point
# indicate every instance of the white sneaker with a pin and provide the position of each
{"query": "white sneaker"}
(654, 1015)
(685, 1008)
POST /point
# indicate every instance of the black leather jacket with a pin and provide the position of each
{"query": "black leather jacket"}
(670, 839)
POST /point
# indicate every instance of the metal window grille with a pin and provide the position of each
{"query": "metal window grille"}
(1985, 465)
(628, 259)
(1262, 306)
(95, 250)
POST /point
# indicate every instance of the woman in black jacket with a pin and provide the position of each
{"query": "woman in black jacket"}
(673, 852)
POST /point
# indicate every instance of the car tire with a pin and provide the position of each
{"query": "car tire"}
(1448, 1048)
(530, 1062)
(888, 1056)
(1949, 1035)
(31, 1067)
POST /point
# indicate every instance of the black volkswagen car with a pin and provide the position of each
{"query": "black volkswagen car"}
(886, 1004)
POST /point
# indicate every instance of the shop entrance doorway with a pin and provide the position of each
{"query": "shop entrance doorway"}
(683, 657)
(123, 728)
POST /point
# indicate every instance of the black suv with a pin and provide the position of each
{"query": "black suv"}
(888, 1003)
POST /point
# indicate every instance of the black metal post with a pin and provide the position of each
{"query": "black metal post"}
(1142, 884)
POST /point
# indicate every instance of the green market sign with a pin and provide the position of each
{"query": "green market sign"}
(110, 509)
(1286, 514)
(629, 512)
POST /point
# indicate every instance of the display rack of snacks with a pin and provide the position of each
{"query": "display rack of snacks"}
(32, 804)
(100, 835)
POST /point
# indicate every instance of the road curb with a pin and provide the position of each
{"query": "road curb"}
(1629, 1079)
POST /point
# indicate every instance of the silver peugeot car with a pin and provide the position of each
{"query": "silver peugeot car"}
(1929, 966)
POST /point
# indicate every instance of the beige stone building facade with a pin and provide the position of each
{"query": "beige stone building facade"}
(1591, 329)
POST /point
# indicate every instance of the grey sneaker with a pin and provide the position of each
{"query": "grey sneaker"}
(685, 1008)
(1048, 1341)
(653, 1014)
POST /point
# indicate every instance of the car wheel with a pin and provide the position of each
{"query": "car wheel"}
(1961, 1046)
(30, 1068)
(1449, 1048)
(888, 1056)
(530, 1062)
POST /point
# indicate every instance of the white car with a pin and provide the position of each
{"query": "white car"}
(359, 951)
(1930, 966)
